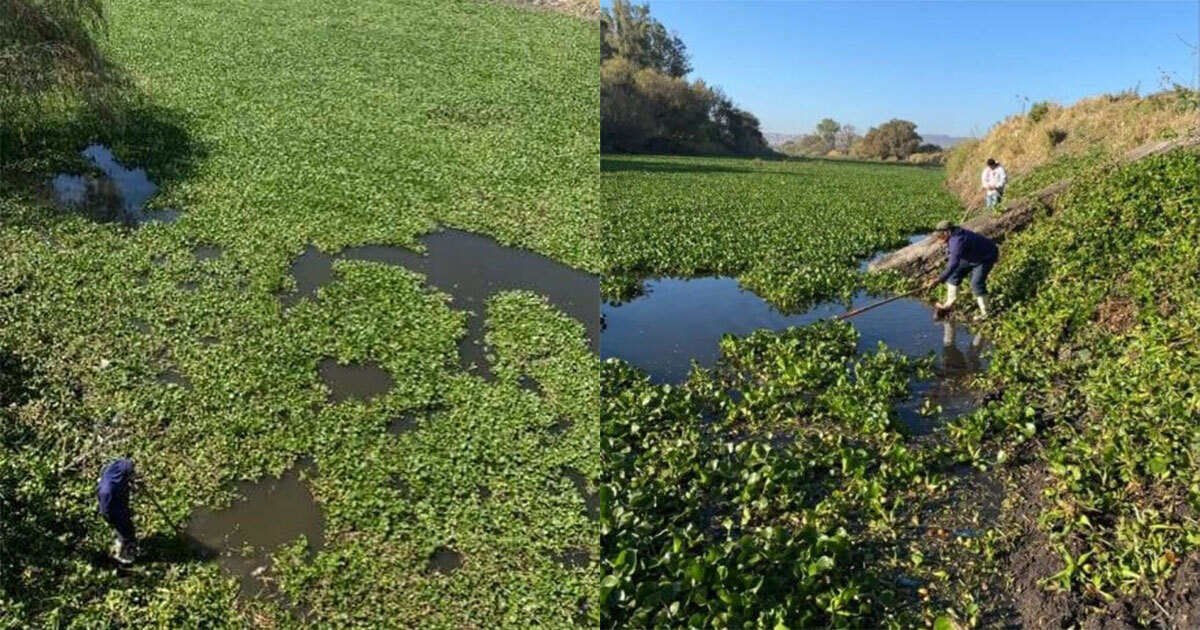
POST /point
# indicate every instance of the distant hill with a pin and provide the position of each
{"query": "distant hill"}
(941, 140)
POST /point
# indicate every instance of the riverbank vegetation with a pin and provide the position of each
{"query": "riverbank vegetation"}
(647, 105)
(1067, 498)
(1099, 344)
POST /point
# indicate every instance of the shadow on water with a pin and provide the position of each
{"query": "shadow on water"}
(153, 142)
(678, 320)
(268, 514)
(470, 268)
(119, 195)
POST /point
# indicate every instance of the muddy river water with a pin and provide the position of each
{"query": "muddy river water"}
(268, 514)
(680, 320)
(470, 268)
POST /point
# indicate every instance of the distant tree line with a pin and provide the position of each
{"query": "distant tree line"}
(646, 104)
(894, 140)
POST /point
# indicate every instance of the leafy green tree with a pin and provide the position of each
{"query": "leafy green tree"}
(827, 131)
(628, 31)
(894, 138)
(646, 104)
(738, 129)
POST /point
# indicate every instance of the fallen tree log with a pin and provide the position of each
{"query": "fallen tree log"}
(924, 257)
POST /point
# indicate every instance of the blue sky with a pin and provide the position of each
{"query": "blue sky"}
(951, 67)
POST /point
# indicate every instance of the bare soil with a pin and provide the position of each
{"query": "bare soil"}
(1116, 314)
(1175, 607)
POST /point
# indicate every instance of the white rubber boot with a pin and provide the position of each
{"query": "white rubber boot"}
(951, 295)
(982, 301)
(123, 552)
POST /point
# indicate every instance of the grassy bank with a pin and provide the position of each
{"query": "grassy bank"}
(1053, 141)
(792, 230)
(1099, 344)
(272, 126)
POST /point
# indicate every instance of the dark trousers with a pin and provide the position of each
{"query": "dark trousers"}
(122, 521)
(979, 273)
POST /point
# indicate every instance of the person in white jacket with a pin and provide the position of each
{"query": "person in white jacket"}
(994, 178)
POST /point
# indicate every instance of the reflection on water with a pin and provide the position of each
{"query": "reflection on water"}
(961, 358)
(119, 196)
(679, 320)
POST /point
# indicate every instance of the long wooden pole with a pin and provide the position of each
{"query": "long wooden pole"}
(861, 310)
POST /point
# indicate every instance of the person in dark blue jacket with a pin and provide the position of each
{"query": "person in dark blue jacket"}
(968, 253)
(115, 484)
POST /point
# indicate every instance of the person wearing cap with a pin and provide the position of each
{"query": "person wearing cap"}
(968, 253)
(993, 179)
(113, 493)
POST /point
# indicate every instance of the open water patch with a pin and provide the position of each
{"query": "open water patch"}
(118, 195)
(172, 377)
(354, 381)
(268, 514)
(679, 320)
(470, 268)
(444, 561)
(573, 557)
(962, 356)
(207, 252)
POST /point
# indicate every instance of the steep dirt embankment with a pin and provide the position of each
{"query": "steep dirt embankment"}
(1094, 412)
(1055, 140)
(927, 255)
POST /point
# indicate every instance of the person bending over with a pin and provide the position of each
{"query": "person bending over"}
(967, 253)
(115, 484)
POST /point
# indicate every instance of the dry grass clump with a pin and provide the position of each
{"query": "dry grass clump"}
(49, 49)
(1111, 124)
(589, 9)
(926, 158)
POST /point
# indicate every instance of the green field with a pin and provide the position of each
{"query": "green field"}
(778, 489)
(794, 231)
(272, 126)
